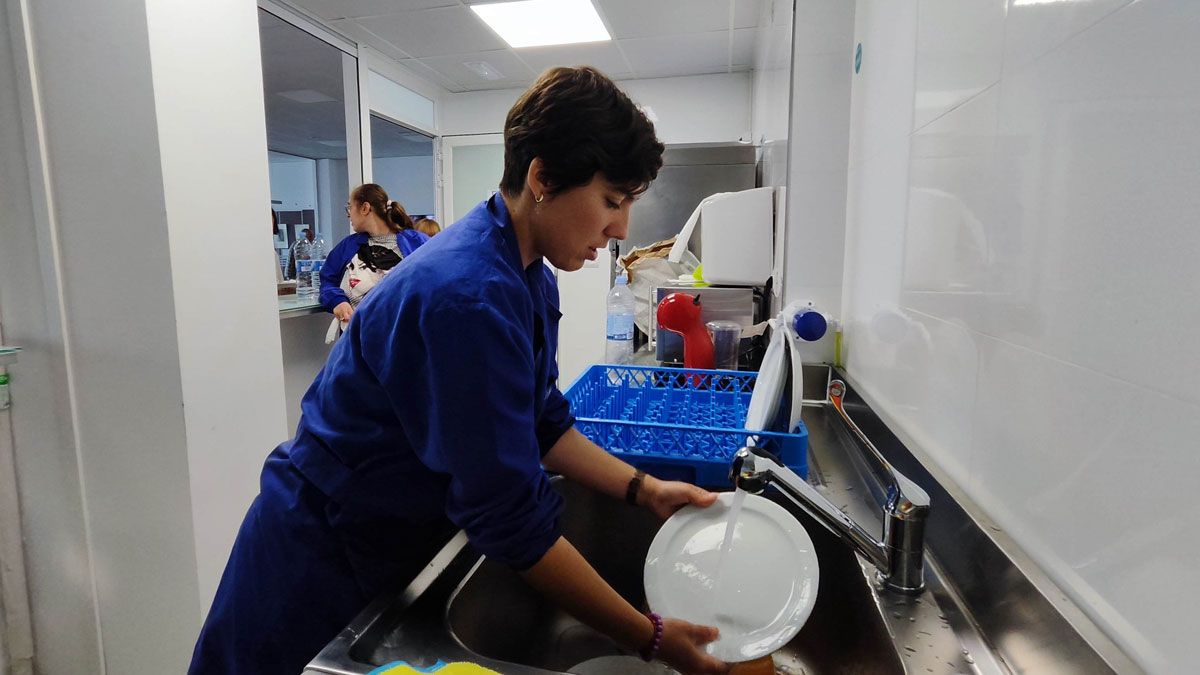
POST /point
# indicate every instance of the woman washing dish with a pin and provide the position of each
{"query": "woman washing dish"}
(440, 407)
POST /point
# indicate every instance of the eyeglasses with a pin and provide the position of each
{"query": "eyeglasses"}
(347, 208)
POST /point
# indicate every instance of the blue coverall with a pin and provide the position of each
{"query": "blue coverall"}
(432, 414)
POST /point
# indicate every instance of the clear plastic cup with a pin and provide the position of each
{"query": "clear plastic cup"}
(726, 338)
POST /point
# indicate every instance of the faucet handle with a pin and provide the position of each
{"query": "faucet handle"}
(903, 491)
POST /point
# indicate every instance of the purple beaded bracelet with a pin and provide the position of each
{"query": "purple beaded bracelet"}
(651, 650)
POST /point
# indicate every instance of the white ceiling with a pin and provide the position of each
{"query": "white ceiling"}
(651, 38)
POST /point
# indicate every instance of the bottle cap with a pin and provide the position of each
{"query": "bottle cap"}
(810, 325)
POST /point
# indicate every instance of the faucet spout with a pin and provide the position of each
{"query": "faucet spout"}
(898, 554)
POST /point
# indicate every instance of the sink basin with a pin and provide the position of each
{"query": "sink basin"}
(464, 607)
(496, 615)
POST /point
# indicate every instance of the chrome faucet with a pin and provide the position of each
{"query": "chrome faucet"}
(899, 557)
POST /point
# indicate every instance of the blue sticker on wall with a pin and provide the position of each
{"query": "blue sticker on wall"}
(858, 57)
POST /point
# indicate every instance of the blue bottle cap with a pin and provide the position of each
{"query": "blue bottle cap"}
(810, 325)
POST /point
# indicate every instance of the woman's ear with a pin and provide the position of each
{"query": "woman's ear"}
(535, 179)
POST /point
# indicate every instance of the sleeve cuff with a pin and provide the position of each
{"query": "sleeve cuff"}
(549, 433)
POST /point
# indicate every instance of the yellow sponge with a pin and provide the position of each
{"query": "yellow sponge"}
(458, 668)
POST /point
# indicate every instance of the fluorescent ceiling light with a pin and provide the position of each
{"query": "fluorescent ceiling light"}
(306, 96)
(539, 23)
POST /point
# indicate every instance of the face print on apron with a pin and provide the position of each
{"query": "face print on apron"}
(365, 270)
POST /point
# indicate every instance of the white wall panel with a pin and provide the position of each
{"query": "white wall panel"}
(694, 109)
(960, 49)
(1020, 282)
(158, 387)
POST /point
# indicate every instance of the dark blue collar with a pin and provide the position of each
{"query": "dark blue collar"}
(498, 209)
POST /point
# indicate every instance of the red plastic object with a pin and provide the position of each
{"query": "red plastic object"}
(680, 313)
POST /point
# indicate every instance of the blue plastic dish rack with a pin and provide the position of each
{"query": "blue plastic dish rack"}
(675, 423)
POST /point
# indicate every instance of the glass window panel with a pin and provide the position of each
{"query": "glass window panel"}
(306, 85)
(402, 162)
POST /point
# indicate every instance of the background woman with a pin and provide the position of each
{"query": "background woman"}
(429, 226)
(376, 221)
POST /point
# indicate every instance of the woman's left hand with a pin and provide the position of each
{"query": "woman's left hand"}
(666, 497)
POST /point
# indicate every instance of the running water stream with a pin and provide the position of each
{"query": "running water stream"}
(735, 510)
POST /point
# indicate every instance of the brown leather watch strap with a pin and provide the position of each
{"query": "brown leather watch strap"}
(635, 484)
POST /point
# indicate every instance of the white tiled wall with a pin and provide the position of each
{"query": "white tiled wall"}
(1021, 281)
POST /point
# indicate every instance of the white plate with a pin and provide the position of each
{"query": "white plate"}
(768, 386)
(768, 583)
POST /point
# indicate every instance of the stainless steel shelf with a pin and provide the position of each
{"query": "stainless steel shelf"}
(292, 306)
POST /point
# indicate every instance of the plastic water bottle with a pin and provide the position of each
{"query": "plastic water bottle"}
(304, 263)
(317, 253)
(618, 346)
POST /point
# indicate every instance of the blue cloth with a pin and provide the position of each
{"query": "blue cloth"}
(334, 268)
(431, 414)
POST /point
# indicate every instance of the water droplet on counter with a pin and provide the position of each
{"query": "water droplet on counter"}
(896, 614)
(912, 619)
(908, 648)
(969, 659)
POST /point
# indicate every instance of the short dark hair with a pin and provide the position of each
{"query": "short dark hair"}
(579, 123)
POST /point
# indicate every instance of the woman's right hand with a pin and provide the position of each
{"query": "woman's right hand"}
(683, 648)
(343, 311)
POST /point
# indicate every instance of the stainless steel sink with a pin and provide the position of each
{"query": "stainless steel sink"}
(467, 607)
(493, 614)
(464, 607)
(496, 615)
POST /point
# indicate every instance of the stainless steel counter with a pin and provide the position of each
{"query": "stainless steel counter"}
(294, 305)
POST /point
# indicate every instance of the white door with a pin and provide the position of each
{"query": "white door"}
(472, 167)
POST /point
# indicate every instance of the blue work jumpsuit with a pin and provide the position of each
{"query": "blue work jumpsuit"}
(431, 414)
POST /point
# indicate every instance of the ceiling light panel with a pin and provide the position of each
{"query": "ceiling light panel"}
(541, 23)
